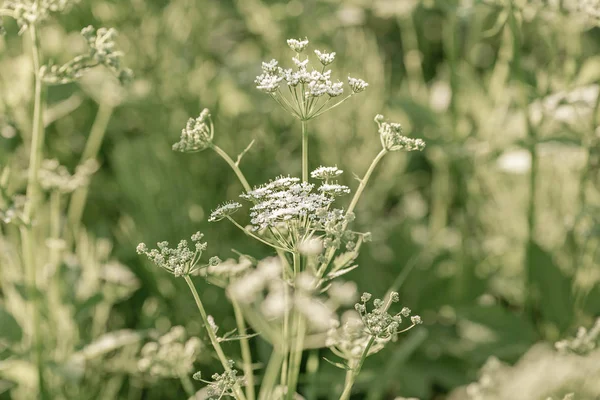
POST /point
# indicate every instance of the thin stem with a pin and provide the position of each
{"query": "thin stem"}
(90, 152)
(233, 166)
(351, 377)
(332, 107)
(365, 180)
(270, 376)
(252, 235)
(304, 152)
(188, 386)
(245, 347)
(38, 133)
(357, 194)
(54, 228)
(212, 336)
(296, 356)
(27, 237)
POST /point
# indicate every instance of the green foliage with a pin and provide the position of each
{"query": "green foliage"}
(491, 232)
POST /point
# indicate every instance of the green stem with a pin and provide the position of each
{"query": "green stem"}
(213, 337)
(270, 376)
(304, 152)
(33, 194)
(252, 235)
(233, 166)
(351, 375)
(365, 180)
(90, 152)
(54, 228)
(188, 386)
(245, 347)
(296, 356)
(353, 203)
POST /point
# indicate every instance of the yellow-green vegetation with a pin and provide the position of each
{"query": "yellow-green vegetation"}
(474, 202)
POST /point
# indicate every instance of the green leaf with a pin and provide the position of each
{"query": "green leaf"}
(10, 330)
(549, 288)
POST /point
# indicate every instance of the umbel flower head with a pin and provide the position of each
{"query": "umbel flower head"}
(392, 139)
(310, 89)
(197, 134)
(30, 12)
(286, 199)
(222, 384)
(102, 51)
(178, 261)
(378, 322)
(224, 210)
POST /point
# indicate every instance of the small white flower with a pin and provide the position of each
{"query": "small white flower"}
(316, 89)
(416, 320)
(357, 85)
(335, 89)
(297, 45)
(301, 64)
(270, 67)
(224, 211)
(325, 58)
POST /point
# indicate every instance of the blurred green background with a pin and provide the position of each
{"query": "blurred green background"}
(492, 232)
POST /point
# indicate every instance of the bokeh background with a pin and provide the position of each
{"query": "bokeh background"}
(491, 233)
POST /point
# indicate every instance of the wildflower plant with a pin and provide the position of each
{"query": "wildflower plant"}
(46, 242)
(295, 296)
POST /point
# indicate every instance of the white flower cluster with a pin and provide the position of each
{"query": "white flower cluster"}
(325, 58)
(53, 176)
(325, 173)
(314, 83)
(298, 45)
(102, 51)
(197, 134)
(357, 85)
(287, 199)
(392, 139)
(29, 12)
(222, 385)
(178, 261)
(171, 356)
(378, 322)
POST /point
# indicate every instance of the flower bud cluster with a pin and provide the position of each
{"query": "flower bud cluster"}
(378, 322)
(350, 340)
(224, 210)
(53, 176)
(30, 12)
(178, 261)
(222, 384)
(197, 134)
(392, 139)
(171, 355)
(102, 51)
